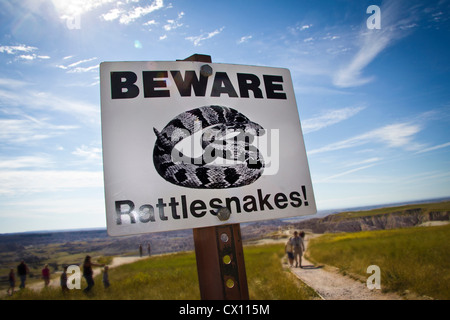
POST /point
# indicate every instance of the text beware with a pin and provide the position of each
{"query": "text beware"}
(154, 85)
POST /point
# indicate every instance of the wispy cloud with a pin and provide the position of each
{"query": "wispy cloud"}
(74, 64)
(77, 7)
(197, 40)
(75, 68)
(88, 153)
(244, 39)
(372, 42)
(441, 146)
(25, 162)
(398, 135)
(299, 27)
(174, 23)
(86, 112)
(363, 162)
(16, 49)
(16, 182)
(341, 174)
(28, 130)
(128, 15)
(22, 52)
(329, 118)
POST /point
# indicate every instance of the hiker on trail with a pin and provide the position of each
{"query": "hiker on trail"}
(298, 248)
(12, 282)
(46, 275)
(22, 271)
(63, 280)
(140, 250)
(105, 278)
(88, 273)
(289, 249)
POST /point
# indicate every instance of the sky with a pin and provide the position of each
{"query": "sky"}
(374, 103)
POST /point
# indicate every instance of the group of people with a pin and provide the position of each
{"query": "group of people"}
(22, 271)
(149, 250)
(294, 248)
(88, 274)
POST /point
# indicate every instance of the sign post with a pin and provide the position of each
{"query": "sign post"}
(219, 253)
(206, 146)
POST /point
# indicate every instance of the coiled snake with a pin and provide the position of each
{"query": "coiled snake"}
(217, 123)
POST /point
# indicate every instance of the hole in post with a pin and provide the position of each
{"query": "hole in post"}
(230, 283)
(224, 237)
(226, 259)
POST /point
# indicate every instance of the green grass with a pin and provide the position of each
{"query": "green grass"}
(267, 280)
(174, 277)
(414, 259)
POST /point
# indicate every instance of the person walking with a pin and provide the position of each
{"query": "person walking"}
(63, 280)
(298, 248)
(289, 249)
(22, 271)
(88, 273)
(46, 275)
(105, 278)
(12, 282)
(140, 250)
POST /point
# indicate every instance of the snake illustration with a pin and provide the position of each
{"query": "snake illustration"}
(217, 124)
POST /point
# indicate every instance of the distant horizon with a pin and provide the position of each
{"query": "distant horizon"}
(326, 211)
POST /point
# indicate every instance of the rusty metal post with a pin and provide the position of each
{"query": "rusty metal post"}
(220, 263)
(219, 253)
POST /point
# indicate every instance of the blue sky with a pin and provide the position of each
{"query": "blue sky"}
(374, 103)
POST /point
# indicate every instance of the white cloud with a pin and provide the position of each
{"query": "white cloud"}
(16, 49)
(444, 145)
(372, 42)
(24, 162)
(338, 175)
(84, 111)
(197, 40)
(127, 16)
(74, 67)
(70, 8)
(398, 135)
(83, 69)
(365, 161)
(150, 23)
(329, 118)
(244, 39)
(15, 182)
(299, 28)
(174, 24)
(88, 153)
(12, 83)
(74, 64)
(113, 14)
(28, 130)
(22, 52)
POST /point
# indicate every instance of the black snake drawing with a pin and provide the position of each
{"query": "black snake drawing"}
(217, 122)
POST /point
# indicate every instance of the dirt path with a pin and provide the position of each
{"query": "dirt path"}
(331, 285)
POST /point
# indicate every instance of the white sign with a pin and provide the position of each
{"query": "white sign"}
(182, 140)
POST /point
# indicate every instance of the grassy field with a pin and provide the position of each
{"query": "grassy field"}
(174, 277)
(415, 259)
